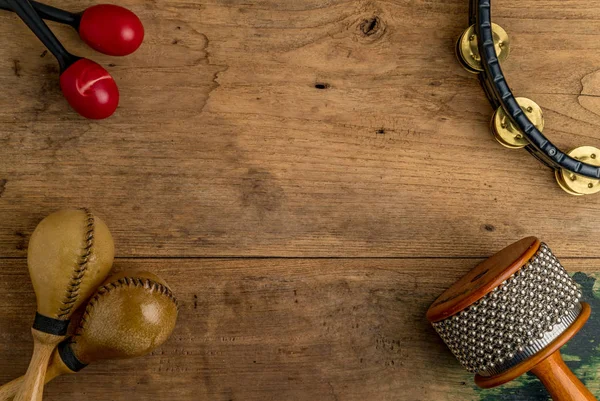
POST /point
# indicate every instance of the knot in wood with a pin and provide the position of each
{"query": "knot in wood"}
(371, 28)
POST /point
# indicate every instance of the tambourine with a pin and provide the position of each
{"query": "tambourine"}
(510, 315)
(518, 122)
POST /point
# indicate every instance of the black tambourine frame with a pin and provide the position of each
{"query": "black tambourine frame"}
(499, 94)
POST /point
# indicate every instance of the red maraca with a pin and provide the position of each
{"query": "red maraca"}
(111, 29)
(90, 89)
(107, 28)
(87, 86)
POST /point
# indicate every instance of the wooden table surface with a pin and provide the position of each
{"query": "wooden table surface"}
(308, 176)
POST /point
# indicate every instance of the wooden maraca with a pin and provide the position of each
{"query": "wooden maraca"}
(510, 315)
(70, 253)
(132, 314)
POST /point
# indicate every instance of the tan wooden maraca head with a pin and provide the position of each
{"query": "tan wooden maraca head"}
(70, 253)
(510, 315)
(130, 315)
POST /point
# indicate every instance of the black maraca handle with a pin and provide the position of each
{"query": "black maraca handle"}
(31, 18)
(50, 13)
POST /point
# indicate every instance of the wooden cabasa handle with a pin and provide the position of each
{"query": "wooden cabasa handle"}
(560, 382)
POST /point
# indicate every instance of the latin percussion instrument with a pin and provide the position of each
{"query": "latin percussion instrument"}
(518, 122)
(107, 28)
(70, 254)
(87, 86)
(510, 315)
(130, 315)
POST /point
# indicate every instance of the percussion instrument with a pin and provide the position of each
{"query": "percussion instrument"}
(132, 314)
(510, 315)
(107, 28)
(88, 87)
(70, 254)
(518, 122)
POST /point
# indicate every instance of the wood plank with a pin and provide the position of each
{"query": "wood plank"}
(292, 329)
(225, 146)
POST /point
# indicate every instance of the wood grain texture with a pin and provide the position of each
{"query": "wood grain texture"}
(300, 130)
(225, 145)
(287, 329)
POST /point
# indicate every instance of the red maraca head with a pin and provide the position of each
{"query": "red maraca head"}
(111, 29)
(90, 89)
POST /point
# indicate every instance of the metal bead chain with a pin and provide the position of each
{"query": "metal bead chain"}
(521, 310)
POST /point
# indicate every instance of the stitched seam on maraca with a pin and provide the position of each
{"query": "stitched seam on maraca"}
(72, 294)
(123, 282)
(506, 322)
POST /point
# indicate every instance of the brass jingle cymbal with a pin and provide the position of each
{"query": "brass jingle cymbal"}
(563, 185)
(506, 133)
(575, 184)
(467, 49)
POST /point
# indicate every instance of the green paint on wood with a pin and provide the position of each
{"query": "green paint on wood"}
(581, 354)
(586, 344)
(571, 358)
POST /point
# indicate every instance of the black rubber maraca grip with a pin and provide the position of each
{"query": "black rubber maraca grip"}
(68, 356)
(49, 325)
